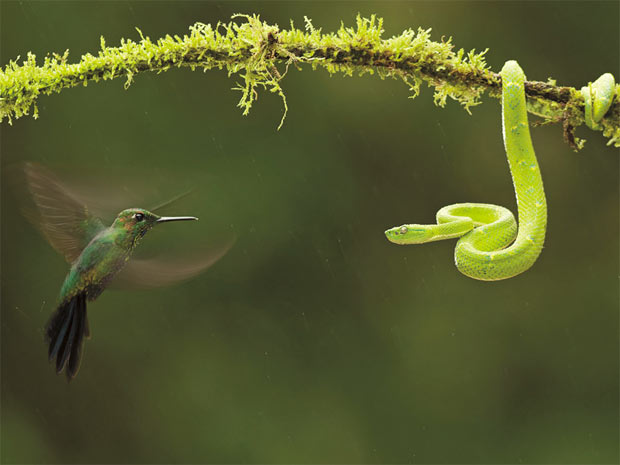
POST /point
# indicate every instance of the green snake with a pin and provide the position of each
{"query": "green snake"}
(492, 246)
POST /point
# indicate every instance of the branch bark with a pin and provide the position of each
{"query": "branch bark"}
(261, 54)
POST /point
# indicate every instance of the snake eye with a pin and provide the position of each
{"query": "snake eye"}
(403, 230)
(138, 216)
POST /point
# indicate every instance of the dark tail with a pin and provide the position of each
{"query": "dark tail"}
(65, 333)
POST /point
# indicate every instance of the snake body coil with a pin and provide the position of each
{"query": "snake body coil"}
(492, 247)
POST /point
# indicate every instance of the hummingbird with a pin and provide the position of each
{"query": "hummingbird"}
(97, 254)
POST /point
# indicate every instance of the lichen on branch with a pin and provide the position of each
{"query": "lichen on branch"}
(260, 54)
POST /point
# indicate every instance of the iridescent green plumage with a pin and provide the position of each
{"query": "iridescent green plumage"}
(108, 251)
(97, 255)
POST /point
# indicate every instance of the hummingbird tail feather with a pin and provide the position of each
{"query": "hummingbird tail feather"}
(65, 333)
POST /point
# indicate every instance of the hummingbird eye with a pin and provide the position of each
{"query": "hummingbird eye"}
(139, 216)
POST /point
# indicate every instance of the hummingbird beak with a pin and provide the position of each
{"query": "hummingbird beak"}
(165, 219)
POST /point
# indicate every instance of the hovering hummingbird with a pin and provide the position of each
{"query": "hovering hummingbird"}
(97, 254)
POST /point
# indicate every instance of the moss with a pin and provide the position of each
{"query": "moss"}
(260, 54)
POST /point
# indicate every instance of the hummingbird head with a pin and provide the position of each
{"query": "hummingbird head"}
(137, 221)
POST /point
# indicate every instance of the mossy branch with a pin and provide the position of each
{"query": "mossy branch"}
(260, 54)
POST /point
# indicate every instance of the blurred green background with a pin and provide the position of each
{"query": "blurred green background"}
(314, 339)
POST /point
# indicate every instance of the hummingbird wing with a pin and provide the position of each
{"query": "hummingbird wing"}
(145, 273)
(59, 214)
(67, 223)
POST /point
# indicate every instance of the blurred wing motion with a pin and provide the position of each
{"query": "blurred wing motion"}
(60, 216)
(156, 272)
(65, 221)
(171, 201)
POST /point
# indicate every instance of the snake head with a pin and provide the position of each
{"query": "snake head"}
(409, 234)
